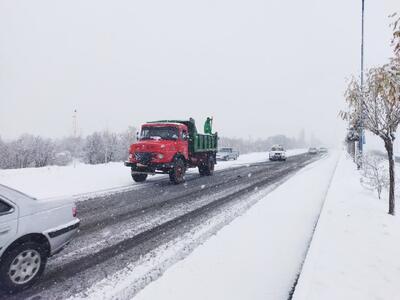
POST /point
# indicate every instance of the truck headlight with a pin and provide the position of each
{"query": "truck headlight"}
(160, 156)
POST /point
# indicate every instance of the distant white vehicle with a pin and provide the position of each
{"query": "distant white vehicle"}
(312, 150)
(323, 149)
(227, 154)
(31, 230)
(277, 152)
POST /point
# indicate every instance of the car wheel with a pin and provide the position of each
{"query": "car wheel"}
(22, 266)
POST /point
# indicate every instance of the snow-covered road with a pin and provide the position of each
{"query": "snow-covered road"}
(85, 181)
(126, 230)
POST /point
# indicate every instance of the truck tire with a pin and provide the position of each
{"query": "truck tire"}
(209, 167)
(202, 171)
(177, 174)
(139, 177)
(22, 266)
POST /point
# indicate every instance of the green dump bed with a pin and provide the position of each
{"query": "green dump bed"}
(197, 142)
(203, 143)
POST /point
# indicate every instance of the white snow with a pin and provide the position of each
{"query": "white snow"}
(355, 253)
(259, 254)
(54, 181)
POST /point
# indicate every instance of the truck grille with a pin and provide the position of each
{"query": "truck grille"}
(143, 157)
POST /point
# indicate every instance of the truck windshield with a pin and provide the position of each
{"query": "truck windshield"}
(159, 133)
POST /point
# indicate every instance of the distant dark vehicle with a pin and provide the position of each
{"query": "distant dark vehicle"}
(312, 150)
(323, 149)
(227, 154)
(277, 152)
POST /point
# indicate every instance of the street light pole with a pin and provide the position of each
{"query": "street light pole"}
(361, 130)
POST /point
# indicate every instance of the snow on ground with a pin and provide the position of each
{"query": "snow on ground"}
(259, 254)
(355, 253)
(53, 181)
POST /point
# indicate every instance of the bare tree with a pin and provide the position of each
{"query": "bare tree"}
(396, 35)
(377, 104)
(374, 174)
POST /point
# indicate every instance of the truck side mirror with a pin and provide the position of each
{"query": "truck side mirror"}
(137, 135)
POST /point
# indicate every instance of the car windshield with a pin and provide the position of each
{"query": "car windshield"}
(225, 150)
(159, 133)
(277, 149)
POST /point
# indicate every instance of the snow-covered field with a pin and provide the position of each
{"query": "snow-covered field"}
(259, 254)
(355, 253)
(84, 179)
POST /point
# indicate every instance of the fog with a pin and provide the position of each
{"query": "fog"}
(258, 67)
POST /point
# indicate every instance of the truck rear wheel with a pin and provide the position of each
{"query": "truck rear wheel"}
(202, 171)
(177, 174)
(208, 168)
(139, 177)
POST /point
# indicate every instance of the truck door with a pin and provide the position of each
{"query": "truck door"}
(184, 143)
(8, 222)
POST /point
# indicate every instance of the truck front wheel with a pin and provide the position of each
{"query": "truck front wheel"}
(177, 174)
(139, 177)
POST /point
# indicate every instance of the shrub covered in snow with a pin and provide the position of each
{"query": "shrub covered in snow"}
(375, 174)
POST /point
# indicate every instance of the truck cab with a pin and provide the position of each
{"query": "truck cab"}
(170, 147)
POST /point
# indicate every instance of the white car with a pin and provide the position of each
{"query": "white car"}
(277, 152)
(31, 230)
(227, 154)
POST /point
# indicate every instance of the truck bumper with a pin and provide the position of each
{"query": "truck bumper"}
(152, 168)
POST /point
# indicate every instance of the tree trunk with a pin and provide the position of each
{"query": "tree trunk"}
(389, 149)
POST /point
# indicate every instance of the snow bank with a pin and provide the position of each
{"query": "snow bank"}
(54, 181)
(355, 253)
(259, 254)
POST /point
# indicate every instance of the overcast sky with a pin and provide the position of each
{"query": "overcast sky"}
(258, 67)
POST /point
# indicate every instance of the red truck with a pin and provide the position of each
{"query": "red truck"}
(171, 147)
